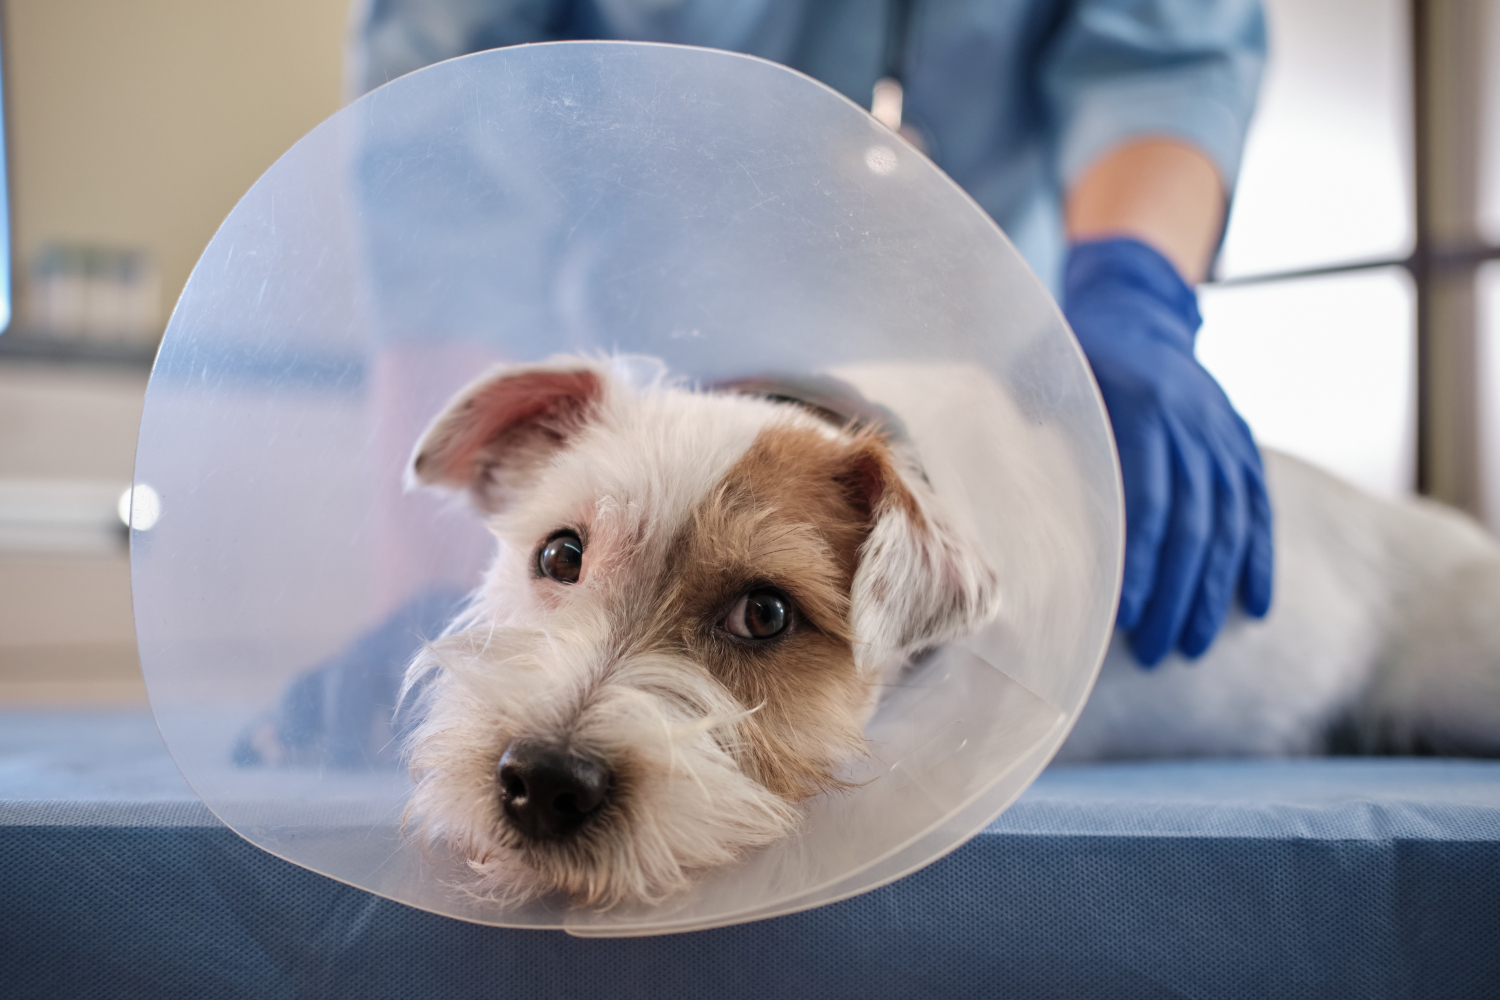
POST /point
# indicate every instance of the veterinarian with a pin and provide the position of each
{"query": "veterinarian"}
(1103, 136)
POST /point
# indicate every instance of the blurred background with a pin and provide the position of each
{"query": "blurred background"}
(1353, 316)
(132, 127)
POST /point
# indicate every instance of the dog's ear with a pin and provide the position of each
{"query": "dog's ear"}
(919, 581)
(502, 427)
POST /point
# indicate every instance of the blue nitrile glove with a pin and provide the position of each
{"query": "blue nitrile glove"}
(1197, 518)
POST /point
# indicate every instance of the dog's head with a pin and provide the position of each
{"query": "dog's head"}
(694, 598)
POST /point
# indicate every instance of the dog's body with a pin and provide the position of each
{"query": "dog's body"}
(1384, 637)
(697, 597)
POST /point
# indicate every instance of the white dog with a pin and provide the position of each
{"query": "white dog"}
(697, 596)
(1384, 638)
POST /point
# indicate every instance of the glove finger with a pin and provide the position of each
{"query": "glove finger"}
(1260, 563)
(1221, 566)
(1180, 563)
(1146, 468)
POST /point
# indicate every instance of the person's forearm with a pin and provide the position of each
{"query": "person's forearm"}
(1160, 191)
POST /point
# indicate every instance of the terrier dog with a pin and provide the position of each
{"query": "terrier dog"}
(698, 594)
(695, 597)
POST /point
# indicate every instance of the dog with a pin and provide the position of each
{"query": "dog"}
(698, 596)
(1384, 638)
(694, 598)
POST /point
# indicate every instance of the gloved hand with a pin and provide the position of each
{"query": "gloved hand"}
(1197, 518)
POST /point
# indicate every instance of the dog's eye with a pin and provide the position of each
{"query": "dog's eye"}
(759, 614)
(561, 558)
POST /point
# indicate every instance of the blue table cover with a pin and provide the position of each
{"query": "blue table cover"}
(1335, 877)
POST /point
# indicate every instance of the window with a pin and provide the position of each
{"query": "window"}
(1353, 317)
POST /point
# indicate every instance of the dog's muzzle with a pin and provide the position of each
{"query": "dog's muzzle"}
(546, 792)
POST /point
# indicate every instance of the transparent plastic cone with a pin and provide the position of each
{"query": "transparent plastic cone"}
(723, 214)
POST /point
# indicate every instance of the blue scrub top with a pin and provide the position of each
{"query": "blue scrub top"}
(1015, 98)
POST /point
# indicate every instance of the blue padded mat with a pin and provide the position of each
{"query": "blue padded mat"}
(1316, 878)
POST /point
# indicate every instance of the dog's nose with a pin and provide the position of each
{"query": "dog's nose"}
(547, 791)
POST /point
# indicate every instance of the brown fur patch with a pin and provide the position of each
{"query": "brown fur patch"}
(791, 514)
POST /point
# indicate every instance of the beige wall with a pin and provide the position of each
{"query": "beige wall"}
(66, 629)
(133, 123)
(141, 122)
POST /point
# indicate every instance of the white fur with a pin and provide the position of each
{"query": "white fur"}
(1385, 621)
(533, 659)
(690, 807)
(917, 587)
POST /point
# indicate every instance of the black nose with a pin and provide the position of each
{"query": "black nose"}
(547, 791)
